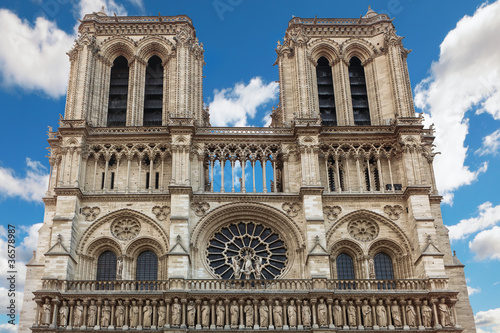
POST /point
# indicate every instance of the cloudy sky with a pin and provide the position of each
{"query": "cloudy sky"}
(454, 69)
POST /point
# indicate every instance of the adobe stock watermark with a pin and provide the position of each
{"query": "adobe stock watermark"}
(223, 6)
(11, 274)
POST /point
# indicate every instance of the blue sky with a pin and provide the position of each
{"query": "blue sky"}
(454, 69)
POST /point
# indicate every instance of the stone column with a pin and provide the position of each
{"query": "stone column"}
(167, 315)
(55, 303)
(183, 318)
(330, 313)
(125, 324)
(314, 314)
(198, 314)
(255, 311)
(212, 313)
(299, 315)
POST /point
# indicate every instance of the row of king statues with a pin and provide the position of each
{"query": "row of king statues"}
(246, 314)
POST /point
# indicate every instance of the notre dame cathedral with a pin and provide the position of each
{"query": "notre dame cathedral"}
(328, 220)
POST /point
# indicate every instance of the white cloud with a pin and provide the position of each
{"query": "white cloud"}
(8, 328)
(110, 7)
(33, 57)
(466, 75)
(486, 245)
(489, 215)
(234, 106)
(471, 290)
(31, 187)
(491, 144)
(488, 321)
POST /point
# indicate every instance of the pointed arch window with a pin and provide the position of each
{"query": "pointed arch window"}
(106, 266)
(359, 93)
(345, 267)
(153, 93)
(118, 92)
(383, 267)
(147, 266)
(326, 96)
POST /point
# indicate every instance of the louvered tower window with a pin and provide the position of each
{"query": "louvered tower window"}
(153, 92)
(325, 93)
(345, 267)
(106, 266)
(118, 92)
(147, 266)
(383, 267)
(359, 94)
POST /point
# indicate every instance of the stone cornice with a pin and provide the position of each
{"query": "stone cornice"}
(180, 189)
(416, 190)
(69, 191)
(311, 190)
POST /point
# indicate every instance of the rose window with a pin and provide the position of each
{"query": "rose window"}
(125, 228)
(363, 230)
(247, 250)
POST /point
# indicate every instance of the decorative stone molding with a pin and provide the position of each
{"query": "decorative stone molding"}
(291, 208)
(394, 212)
(161, 212)
(363, 230)
(332, 212)
(90, 213)
(200, 208)
(125, 228)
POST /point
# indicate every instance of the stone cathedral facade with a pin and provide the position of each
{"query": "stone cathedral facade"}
(151, 225)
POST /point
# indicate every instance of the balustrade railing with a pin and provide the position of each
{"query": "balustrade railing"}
(235, 285)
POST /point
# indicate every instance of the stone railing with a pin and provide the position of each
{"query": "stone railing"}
(298, 285)
(245, 130)
(412, 305)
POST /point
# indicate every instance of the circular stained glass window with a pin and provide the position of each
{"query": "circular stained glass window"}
(247, 250)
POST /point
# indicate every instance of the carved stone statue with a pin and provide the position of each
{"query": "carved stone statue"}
(235, 263)
(337, 314)
(191, 313)
(46, 312)
(444, 313)
(134, 315)
(176, 313)
(258, 267)
(220, 312)
(411, 315)
(396, 314)
(292, 314)
(366, 311)
(92, 314)
(306, 314)
(63, 314)
(205, 314)
(77, 319)
(235, 313)
(120, 314)
(248, 269)
(351, 314)
(322, 313)
(381, 314)
(248, 314)
(106, 314)
(264, 314)
(162, 314)
(147, 312)
(371, 266)
(278, 314)
(426, 314)
(119, 268)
